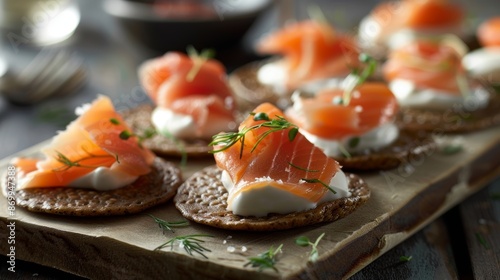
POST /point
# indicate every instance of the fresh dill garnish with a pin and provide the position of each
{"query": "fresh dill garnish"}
(166, 225)
(405, 258)
(114, 121)
(303, 169)
(316, 180)
(358, 77)
(482, 240)
(353, 142)
(265, 260)
(198, 60)
(304, 241)
(68, 163)
(344, 151)
(190, 243)
(451, 149)
(125, 135)
(228, 139)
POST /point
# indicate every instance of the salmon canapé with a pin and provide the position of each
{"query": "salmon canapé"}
(97, 138)
(311, 51)
(428, 64)
(189, 85)
(371, 105)
(283, 159)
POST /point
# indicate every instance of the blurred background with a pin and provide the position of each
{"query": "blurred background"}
(110, 38)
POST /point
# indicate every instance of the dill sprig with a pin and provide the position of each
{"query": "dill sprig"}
(358, 77)
(303, 169)
(198, 60)
(228, 139)
(304, 241)
(190, 243)
(166, 225)
(265, 260)
(316, 180)
(68, 163)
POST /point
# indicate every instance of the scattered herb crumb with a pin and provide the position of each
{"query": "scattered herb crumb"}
(166, 225)
(265, 260)
(482, 240)
(451, 149)
(405, 258)
(304, 241)
(190, 243)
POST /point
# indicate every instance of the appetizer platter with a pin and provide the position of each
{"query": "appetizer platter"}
(310, 164)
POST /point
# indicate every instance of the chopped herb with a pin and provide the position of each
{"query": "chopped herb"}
(482, 240)
(337, 100)
(353, 142)
(358, 77)
(405, 258)
(451, 149)
(304, 241)
(315, 180)
(165, 225)
(198, 60)
(344, 151)
(265, 260)
(190, 243)
(228, 139)
(125, 135)
(114, 121)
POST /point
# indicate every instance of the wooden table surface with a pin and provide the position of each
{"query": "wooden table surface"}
(462, 244)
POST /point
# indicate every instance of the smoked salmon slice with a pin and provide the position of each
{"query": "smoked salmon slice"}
(311, 50)
(417, 15)
(294, 165)
(488, 32)
(189, 85)
(428, 64)
(99, 137)
(371, 105)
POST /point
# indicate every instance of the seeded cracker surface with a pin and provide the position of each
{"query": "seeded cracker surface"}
(456, 120)
(147, 191)
(202, 198)
(409, 145)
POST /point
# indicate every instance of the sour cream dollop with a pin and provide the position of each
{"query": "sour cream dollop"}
(168, 122)
(104, 179)
(409, 95)
(265, 200)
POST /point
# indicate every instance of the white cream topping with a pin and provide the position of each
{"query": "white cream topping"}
(169, 123)
(379, 137)
(371, 34)
(273, 74)
(409, 96)
(262, 201)
(484, 63)
(104, 179)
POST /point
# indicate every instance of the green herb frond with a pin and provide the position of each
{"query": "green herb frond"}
(265, 260)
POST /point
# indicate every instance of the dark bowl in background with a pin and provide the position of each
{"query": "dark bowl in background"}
(227, 26)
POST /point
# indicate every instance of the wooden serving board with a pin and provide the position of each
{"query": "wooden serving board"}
(403, 201)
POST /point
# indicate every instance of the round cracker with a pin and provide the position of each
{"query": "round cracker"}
(139, 119)
(455, 120)
(410, 145)
(202, 198)
(147, 191)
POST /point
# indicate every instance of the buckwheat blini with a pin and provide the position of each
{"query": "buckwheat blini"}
(95, 167)
(269, 177)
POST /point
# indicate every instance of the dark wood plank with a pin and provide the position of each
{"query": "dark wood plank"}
(431, 257)
(481, 223)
